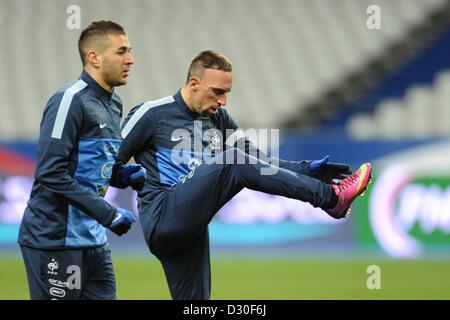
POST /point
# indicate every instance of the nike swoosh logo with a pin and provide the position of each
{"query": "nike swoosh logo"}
(176, 139)
(361, 177)
(102, 125)
(118, 217)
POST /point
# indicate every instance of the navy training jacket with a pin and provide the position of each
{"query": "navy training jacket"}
(78, 142)
(170, 140)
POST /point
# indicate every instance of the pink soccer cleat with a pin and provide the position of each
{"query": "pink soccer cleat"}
(348, 189)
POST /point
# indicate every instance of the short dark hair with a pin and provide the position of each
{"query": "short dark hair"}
(97, 29)
(208, 60)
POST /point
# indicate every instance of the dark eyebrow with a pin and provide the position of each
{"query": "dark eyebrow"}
(219, 91)
(123, 49)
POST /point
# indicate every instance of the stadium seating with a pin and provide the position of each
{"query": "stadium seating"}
(423, 112)
(286, 53)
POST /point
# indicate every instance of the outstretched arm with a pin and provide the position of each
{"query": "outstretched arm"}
(320, 169)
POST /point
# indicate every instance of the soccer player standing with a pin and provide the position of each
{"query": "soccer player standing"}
(62, 234)
(182, 141)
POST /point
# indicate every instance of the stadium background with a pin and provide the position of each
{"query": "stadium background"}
(317, 71)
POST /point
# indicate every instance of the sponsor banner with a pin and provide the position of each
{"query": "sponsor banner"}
(407, 211)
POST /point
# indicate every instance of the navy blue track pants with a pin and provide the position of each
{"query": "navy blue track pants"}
(180, 239)
(70, 274)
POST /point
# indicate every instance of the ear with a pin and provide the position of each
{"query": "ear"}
(194, 83)
(93, 58)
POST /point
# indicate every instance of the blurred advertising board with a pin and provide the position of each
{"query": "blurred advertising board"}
(407, 209)
(250, 219)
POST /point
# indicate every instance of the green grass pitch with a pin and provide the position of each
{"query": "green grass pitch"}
(265, 279)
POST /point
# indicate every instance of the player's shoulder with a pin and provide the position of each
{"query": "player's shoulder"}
(67, 94)
(72, 88)
(153, 106)
(148, 108)
(159, 104)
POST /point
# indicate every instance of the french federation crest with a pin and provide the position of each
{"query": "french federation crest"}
(52, 267)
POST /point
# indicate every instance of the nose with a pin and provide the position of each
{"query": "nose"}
(129, 59)
(222, 100)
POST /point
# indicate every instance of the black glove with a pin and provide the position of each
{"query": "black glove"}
(128, 175)
(327, 172)
(122, 221)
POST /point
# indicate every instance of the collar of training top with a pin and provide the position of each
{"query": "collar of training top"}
(94, 84)
(183, 106)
